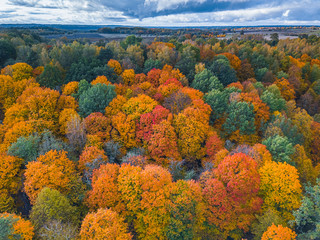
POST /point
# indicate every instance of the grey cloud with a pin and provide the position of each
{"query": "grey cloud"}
(138, 8)
(24, 3)
(303, 10)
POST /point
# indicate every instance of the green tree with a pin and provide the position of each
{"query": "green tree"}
(222, 69)
(183, 207)
(280, 148)
(105, 55)
(130, 40)
(315, 73)
(29, 148)
(50, 142)
(50, 77)
(26, 148)
(307, 217)
(218, 101)
(240, 117)
(52, 205)
(150, 64)
(264, 221)
(260, 73)
(274, 39)
(6, 228)
(7, 51)
(89, 69)
(272, 97)
(186, 65)
(96, 99)
(282, 74)
(82, 87)
(205, 81)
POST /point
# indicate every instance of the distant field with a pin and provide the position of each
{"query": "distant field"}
(98, 36)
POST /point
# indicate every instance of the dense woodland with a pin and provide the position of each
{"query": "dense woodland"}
(189, 138)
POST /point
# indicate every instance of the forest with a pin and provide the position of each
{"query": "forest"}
(186, 138)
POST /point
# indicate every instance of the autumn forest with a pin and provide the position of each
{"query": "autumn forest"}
(187, 137)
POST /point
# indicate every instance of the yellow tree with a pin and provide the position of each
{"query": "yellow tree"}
(65, 116)
(129, 186)
(153, 217)
(128, 77)
(70, 88)
(10, 180)
(137, 106)
(18, 71)
(192, 126)
(280, 188)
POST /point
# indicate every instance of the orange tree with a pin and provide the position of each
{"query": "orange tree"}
(98, 124)
(104, 193)
(279, 233)
(232, 197)
(163, 143)
(104, 224)
(15, 227)
(116, 66)
(53, 170)
(91, 158)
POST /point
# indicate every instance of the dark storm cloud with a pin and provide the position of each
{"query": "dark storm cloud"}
(145, 8)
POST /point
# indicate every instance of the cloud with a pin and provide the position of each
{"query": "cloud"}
(162, 12)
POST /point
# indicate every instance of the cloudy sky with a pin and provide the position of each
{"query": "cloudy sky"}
(162, 12)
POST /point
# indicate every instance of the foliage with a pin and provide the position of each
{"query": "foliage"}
(104, 224)
(51, 76)
(53, 170)
(232, 197)
(307, 217)
(280, 188)
(7, 51)
(264, 221)
(222, 69)
(279, 232)
(91, 158)
(104, 193)
(240, 117)
(163, 143)
(49, 206)
(272, 97)
(231, 126)
(205, 81)
(13, 226)
(96, 99)
(137, 106)
(280, 148)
